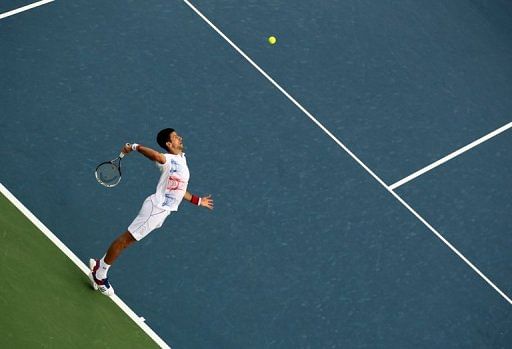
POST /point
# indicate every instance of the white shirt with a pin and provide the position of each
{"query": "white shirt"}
(173, 182)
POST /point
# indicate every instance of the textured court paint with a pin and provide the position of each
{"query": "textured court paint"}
(352, 155)
(400, 83)
(473, 205)
(47, 301)
(303, 248)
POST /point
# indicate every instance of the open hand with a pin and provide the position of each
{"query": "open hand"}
(207, 202)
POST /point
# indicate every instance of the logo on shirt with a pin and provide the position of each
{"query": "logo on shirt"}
(169, 200)
(174, 167)
(175, 183)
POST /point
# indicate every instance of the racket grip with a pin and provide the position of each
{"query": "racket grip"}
(121, 155)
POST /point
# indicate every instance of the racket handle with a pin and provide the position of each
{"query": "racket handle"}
(121, 155)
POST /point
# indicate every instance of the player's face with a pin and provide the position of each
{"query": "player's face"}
(176, 141)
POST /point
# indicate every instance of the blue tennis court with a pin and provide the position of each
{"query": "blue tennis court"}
(305, 249)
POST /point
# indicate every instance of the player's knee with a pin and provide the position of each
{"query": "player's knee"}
(128, 239)
(124, 240)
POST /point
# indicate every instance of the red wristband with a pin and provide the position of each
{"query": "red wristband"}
(196, 200)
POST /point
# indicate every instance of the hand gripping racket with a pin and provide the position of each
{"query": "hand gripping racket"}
(108, 173)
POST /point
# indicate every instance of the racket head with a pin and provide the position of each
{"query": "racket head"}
(108, 173)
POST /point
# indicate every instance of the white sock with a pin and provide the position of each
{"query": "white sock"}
(102, 271)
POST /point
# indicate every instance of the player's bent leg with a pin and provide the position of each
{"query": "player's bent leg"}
(118, 245)
(98, 276)
(148, 219)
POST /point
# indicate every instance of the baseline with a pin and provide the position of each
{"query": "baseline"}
(53, 238)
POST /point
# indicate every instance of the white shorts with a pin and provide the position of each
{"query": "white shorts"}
(150, 217)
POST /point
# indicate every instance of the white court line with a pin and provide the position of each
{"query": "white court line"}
(138, 320)
(450, 156)
(337, 141)
(24, 8)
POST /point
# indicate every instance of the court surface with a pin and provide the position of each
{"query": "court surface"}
(305, 249)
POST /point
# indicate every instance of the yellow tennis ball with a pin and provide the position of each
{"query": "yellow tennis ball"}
(272, 40)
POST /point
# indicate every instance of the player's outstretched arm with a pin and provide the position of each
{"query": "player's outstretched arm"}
(205, 201)
(151, 154)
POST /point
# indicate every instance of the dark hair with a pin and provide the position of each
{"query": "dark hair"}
(163, 137)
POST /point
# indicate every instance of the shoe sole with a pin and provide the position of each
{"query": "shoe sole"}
(92, 264)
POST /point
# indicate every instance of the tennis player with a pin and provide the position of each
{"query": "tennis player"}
(170, 191)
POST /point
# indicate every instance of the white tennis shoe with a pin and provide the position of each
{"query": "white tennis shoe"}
(101, 285)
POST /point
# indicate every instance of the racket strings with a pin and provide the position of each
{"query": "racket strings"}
(108, 174)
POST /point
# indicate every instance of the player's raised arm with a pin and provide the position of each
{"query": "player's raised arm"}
(151, 154)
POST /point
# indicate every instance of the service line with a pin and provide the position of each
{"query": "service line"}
(346, 149)
(24, 8)
(450, 156)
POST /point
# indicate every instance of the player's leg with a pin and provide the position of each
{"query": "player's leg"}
(148, 219)
(99, 268)
(118, 245)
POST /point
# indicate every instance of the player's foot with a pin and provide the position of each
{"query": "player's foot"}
(101, 285)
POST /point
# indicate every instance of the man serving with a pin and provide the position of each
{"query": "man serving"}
(170, 191)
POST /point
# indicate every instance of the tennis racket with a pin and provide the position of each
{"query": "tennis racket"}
(108, 173)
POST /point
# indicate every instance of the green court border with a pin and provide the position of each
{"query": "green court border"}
(46, 301)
